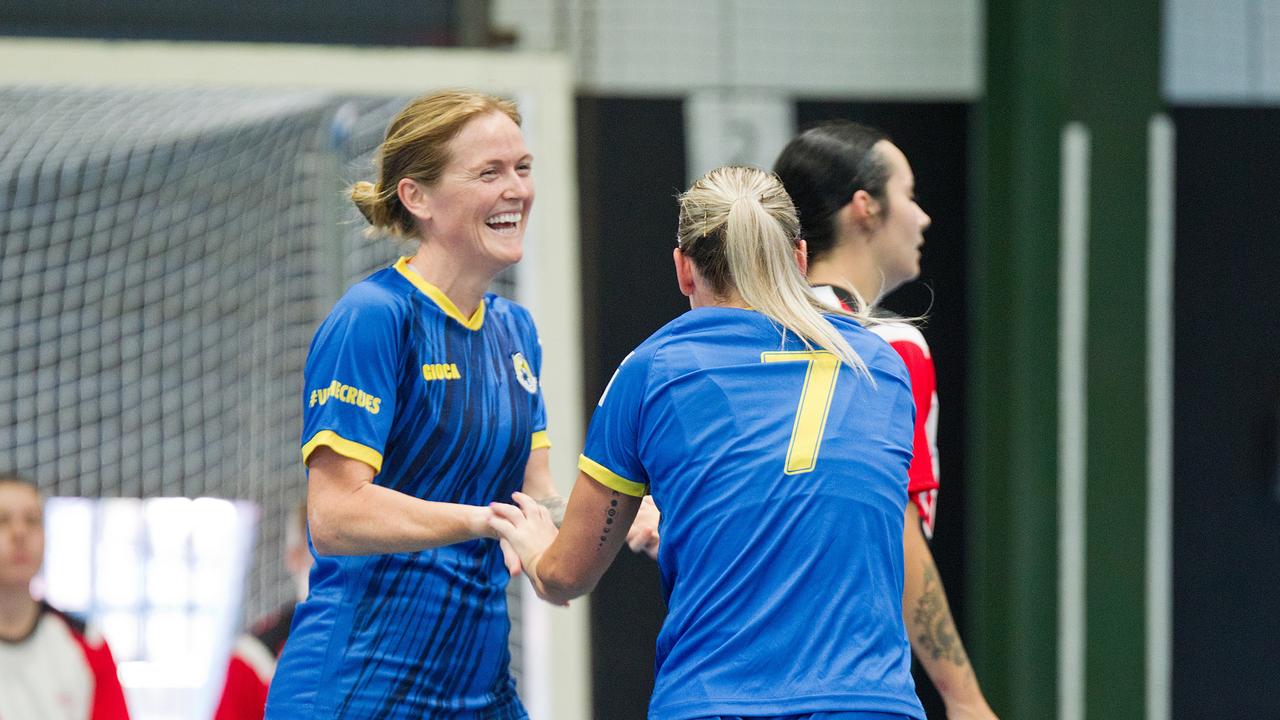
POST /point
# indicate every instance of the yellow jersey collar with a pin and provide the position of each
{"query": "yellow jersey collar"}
(439, 298)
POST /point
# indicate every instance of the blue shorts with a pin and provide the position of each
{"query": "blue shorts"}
(851, 715)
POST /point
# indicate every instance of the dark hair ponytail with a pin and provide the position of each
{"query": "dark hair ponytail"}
(821, 169)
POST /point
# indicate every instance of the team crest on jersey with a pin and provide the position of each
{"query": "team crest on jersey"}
(524, 373)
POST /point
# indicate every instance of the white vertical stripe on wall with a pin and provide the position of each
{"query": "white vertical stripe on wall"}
(1073, 287)
(1160, 318)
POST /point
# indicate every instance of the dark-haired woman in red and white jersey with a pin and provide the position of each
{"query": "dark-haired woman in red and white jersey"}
(855, 194)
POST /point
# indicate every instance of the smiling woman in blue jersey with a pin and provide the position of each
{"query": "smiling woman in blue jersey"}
(421, 405)
(775, 434)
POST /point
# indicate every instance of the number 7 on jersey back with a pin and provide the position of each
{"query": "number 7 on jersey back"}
(815, 402)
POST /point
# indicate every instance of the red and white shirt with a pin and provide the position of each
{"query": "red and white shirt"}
(907, 340)
(62, 670)
(251, 667)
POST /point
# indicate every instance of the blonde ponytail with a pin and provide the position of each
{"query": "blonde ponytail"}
(739, 227)
(377, 209)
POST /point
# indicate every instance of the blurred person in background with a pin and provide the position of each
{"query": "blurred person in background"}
(855, 195)
(421, 405)
(774, 433)
(52, 666)
(253, 659)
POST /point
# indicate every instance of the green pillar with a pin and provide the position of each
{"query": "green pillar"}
(1114, 83)
(1012, 424)
(1096, 63)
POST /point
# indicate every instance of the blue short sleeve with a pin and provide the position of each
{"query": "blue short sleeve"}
(540, 437)
(612, 453)
(349, 382)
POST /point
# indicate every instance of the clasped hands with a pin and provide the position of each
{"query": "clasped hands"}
(525, 530)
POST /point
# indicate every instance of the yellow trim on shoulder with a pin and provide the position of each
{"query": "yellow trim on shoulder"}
(439, 298)
(609, 478)
(344, 447)
(541, 440)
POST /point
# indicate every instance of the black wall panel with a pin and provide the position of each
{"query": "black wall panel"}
(1226, 536)
(631, 160)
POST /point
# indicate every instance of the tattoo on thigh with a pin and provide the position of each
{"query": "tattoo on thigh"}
(937, 631)
(608, 519)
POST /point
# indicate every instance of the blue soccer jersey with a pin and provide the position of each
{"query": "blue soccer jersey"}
(444, 408)
(781, 476)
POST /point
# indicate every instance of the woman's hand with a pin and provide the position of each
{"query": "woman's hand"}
(509, 557)
(643, 535)
(527, 530)
(478, 517)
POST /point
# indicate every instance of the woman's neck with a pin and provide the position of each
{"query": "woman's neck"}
(705, 298)
(848, 267)
(463, 285)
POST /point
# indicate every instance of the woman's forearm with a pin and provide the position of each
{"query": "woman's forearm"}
(349, 515)
(567, 563)
(932, 630)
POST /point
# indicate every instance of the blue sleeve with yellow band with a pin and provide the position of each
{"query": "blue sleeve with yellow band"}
(540, 437)
(611, 455)
(349, 390)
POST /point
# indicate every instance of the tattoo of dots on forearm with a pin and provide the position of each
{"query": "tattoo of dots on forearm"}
(608, 521)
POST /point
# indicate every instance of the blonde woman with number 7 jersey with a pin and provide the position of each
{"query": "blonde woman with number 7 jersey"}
(775, 435)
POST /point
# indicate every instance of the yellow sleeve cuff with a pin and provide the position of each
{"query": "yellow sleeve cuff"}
(541, 440)
(609, 478)
(343, 447)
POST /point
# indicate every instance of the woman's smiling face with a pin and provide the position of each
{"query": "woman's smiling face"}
(479, 206)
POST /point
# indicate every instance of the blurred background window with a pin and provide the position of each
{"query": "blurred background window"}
(163, 579)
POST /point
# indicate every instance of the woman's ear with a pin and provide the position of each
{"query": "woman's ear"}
(864, 209)
(802, 256)
(684, 272)
(414, 197)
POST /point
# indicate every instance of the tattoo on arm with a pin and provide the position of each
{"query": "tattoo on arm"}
(608, 519)
(932, 620)
(555, 505)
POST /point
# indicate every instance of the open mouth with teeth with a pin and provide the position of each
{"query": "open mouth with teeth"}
(504, 222)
